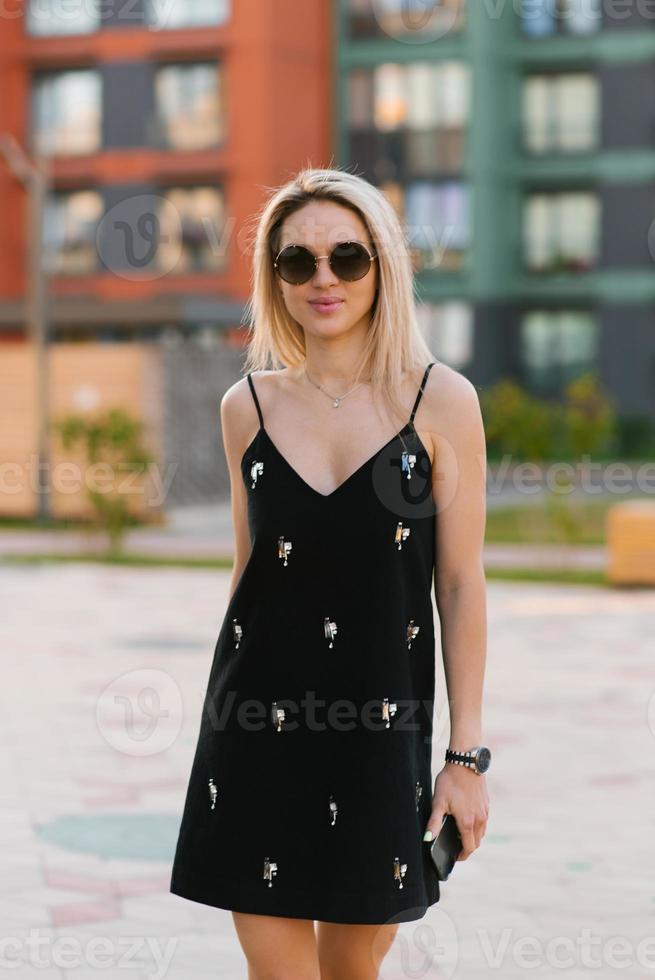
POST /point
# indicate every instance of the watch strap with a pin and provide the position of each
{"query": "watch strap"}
(464, 758)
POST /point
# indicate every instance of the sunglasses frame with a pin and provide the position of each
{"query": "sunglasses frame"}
(371, 256)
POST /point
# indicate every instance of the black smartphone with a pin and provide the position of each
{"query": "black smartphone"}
(446, 847)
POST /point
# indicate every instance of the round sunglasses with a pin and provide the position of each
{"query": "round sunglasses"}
(349, 261)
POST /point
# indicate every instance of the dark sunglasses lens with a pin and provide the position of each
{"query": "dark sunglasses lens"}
(350, 261)
(295, 264)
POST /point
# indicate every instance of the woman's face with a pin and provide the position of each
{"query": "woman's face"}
(320, 225)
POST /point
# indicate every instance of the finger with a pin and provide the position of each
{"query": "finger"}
(467, 834)
(433, 825)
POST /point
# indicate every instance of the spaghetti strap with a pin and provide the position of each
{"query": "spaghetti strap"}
(254, 395)
(420, 391)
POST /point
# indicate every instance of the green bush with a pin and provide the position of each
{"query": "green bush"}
(112, 438)
(517, 423)
(526, 427)
(588, 418)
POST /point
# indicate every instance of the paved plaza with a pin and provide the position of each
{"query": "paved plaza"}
(103, 674)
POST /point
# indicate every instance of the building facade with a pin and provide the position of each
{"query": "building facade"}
(516, 139)
(161, 123)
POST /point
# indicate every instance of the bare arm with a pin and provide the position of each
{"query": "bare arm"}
(238, 426)
(459, 488)
(460, 586)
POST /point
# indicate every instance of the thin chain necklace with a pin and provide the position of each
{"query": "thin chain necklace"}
(336, 401)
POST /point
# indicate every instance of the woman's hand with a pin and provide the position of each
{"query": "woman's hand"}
(463, 793)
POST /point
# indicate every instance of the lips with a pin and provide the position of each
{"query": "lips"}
(326, 305)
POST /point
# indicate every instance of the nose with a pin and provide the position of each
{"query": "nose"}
(323, 274)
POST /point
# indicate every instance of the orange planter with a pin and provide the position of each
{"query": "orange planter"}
(630, 530)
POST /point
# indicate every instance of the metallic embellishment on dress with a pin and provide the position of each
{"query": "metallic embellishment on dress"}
(237, 632)
(256, 470)
(213, 793)
(407, 461)
(402, 533)
(283, 548)
(334, 809)
(418, 794)
(330, 630)
(412, 632)
(388, 709)
(277, 716)
(270, 870)
(399, 871)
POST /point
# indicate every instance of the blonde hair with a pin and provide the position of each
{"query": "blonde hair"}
(394, 343)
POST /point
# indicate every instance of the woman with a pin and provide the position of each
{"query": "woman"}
(357, 468)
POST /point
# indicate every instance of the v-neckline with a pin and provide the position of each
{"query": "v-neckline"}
(408, 427)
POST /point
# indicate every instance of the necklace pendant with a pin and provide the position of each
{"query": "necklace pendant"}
(335, 403)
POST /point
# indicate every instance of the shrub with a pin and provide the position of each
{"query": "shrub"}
(113, 439)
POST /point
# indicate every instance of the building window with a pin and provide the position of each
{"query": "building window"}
(191, 223)
(408, 122)
(543, 18)
(560, 113)
(405, 20)
(66, 112)
(189, 111)
(70, 224)
(437, 224)
(557, 346)
(46, 18)
(448, 331)
(561, 231)
(187, 13)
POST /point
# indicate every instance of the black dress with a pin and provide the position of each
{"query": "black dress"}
(311, 785)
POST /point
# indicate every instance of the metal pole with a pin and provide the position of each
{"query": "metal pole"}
(33, 174)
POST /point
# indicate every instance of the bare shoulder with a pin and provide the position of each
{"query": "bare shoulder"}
(448, 388)
(452, 409)
(239, 419)
(235, 406)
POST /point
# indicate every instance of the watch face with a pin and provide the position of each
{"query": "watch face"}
(483, 759)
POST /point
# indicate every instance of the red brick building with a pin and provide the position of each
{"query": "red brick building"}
(162, 125)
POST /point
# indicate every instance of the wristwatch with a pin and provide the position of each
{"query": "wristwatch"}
(478, 758)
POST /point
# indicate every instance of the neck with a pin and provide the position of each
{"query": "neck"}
(335, 362)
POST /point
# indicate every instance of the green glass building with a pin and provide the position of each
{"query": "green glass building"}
(517, 141)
